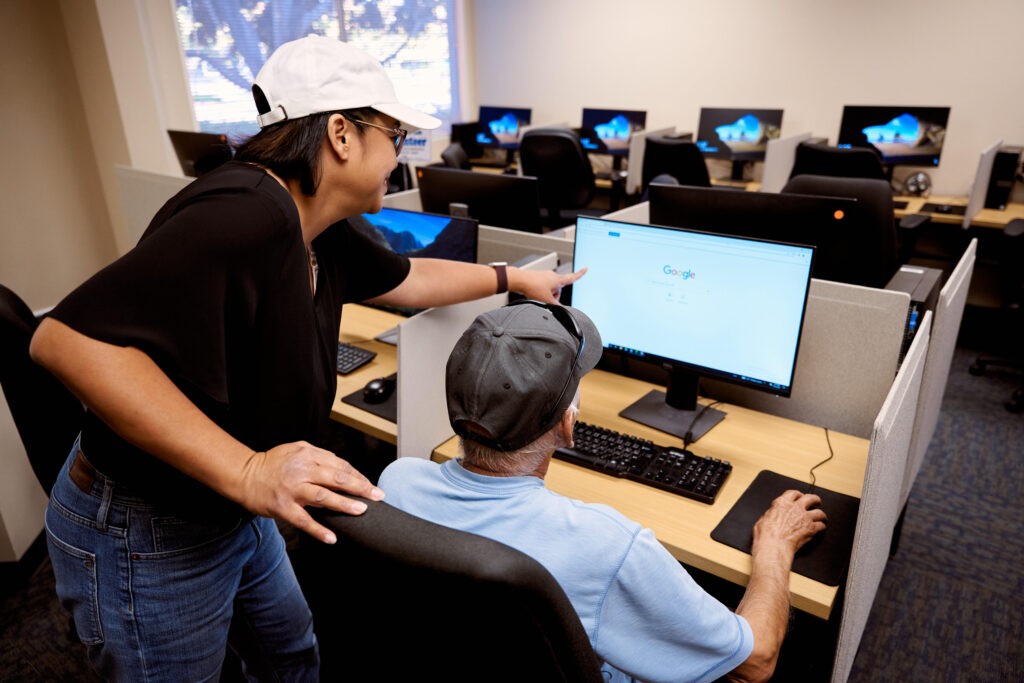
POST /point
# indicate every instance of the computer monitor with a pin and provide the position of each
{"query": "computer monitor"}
(200, 153)
(500, 200)
(737, 134)
(832, 224)
(417, 234)
(608, 131)
(698, 303)
(501, 126)
(910, 136)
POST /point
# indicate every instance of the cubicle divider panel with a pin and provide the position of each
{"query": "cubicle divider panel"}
(880, 500)
(778, 161)
(849, 350)
(949, 312)
(424, 343)
(638, 213)
(409, 200)
(635, 163)
(503, 244)
(142, 195)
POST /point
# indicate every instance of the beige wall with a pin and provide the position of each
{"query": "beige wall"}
(809, 57)
(55, 225)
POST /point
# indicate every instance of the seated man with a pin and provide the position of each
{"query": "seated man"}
(512, 385)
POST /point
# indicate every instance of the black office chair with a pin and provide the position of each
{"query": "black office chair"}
(454, 156)
(854, 162)
(401, 599)
(557, 159)
(874, 258)
(679, 158)
(1011, 277)
(47, 415)
(400, 179)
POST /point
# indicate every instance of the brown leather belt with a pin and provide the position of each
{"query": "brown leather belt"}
(82, 473)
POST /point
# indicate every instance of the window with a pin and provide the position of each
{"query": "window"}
(225, 43)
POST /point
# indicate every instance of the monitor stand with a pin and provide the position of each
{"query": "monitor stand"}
(738, 166)
(675, 411)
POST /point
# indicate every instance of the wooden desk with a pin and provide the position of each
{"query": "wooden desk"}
(359, 326)
(986, 218)
(750, 440)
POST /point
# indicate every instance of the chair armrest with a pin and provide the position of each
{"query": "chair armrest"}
(914, 221)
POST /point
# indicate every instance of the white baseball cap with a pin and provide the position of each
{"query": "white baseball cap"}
(316, 74)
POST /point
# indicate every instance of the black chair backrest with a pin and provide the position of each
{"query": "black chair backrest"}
(681, 159)
(47, 415)
(399, 598)
(557, 159)
(876, 253)
(454, 156)
(855, 162)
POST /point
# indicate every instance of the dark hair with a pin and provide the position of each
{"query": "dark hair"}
(291, 149)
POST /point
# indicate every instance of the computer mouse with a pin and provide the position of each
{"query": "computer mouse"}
(943, 208)
(379, 390)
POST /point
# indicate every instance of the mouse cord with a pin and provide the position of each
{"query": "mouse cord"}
(688, 437)
(831, 454)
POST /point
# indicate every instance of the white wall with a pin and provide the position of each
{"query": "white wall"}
(809, 57)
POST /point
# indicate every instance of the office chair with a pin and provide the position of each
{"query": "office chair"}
(47, 415)
(1011, 277)
(679, 158)
(399, 598)
(557, 159)
(454, 156)
(874, 258)
(855, 162)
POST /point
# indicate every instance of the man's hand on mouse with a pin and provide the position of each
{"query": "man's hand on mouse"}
(790, 521)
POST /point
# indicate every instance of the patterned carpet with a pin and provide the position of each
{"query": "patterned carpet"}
(950, 606)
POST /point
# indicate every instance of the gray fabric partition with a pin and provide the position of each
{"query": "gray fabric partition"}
(848, 354)
(949, 311)
(880, 500)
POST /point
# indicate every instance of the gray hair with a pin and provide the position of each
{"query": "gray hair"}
(522, 461)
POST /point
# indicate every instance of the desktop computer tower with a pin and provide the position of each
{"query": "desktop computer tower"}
(922, 284)
(1004, 167)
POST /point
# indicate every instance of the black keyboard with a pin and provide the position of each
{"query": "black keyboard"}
(352, 357)
(664, 467)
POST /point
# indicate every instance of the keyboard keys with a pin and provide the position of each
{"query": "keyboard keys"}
(624, 455)
(352, 357)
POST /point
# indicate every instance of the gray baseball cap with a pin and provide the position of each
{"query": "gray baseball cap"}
(515, 371)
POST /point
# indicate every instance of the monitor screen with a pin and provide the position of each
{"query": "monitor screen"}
(737, 134)
(724, 307)
(607, 131)
(832, 224)
(500, 126)
(416, 234)
(498, 199)
(911, 136)
(200, 153)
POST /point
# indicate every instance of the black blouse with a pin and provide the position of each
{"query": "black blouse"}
(217, 293)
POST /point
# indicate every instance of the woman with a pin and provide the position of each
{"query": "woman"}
(206, 359)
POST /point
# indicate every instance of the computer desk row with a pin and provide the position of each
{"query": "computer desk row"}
(986, 218)
(752, 441)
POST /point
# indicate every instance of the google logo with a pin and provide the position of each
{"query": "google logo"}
(685, 274)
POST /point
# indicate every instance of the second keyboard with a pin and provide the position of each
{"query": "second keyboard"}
(623, 455)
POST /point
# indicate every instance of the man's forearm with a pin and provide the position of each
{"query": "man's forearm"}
(765, 606)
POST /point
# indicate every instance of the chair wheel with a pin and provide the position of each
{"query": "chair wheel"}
(977, 368)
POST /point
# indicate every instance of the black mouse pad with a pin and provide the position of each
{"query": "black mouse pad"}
(388, 409)
(826, 556)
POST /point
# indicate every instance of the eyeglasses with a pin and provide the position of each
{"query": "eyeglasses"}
(569, 323)
(398, 134)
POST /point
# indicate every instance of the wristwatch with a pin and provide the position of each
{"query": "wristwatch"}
(501, 270)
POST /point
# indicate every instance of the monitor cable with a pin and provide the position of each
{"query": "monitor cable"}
(831, 454)
(688, 437)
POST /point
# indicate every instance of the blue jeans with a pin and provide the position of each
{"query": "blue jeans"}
(158, 598)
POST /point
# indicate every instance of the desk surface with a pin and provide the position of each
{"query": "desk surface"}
(986, 218)
(750, 440)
